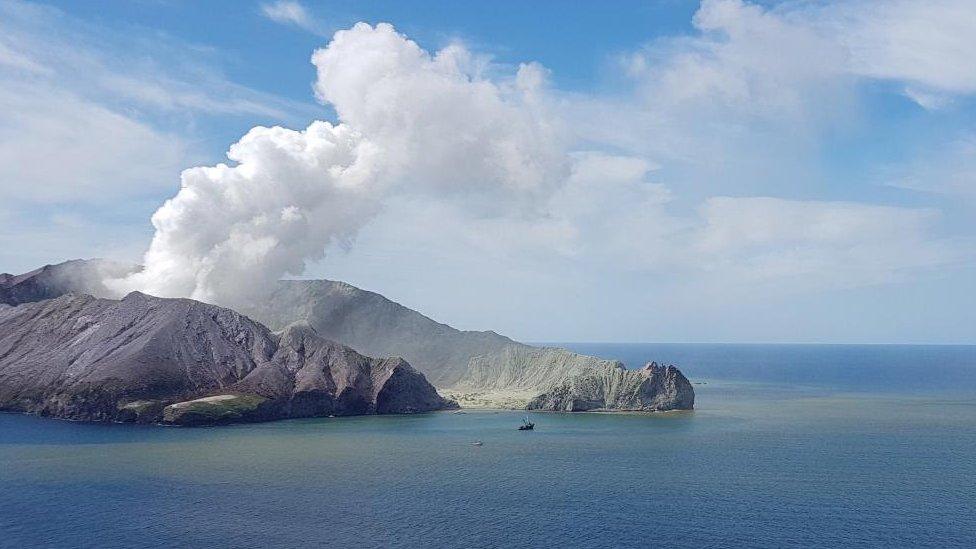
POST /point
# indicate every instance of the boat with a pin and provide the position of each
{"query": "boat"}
(477, 443)
(526, 425)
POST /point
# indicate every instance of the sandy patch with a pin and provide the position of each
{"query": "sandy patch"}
(207, 400)
(506, 400)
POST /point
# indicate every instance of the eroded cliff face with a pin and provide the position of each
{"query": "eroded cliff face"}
(523, 367)
(653, 388)
(559, 380)
(180, 361)
(312, 376)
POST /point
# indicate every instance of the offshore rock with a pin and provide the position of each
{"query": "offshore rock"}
(556, 379)
(653, 388)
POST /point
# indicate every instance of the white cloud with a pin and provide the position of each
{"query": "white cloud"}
(925, 45)
(440, 120)
(779, 79)
(232, 231)
(743, 102)
(838, 244)
(461, 172)
(728, 241)
(93, 130)
(31, 237)
(488, 145)
(57, 147)
(13, 59)
(768, 55)
(82, 121)
(42, 45)
(455, 153)
(746, 58)
(948, 168)
(928, 100)
(289, 12)
(610, 221)
(744, 106)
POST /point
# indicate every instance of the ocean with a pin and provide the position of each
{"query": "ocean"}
(789, 446)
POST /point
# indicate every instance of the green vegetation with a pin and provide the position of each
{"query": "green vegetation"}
(215, 409)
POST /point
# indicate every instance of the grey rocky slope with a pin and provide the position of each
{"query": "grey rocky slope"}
(180, 361)
(377, 326)
(479, 368)
(366, 321)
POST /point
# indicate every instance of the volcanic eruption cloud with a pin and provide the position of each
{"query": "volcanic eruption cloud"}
(409, 122)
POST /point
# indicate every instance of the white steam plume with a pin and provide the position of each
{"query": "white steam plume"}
(410, 122)
(440, 121)
(233, 231)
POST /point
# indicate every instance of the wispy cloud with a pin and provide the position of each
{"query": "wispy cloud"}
(948, 168)
(96, 117)
(122, 67)
(290, 12)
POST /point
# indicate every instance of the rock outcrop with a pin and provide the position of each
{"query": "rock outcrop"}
(180, 361)
(559, 380)
(653, 388)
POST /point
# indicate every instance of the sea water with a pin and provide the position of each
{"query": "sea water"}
(807, 446)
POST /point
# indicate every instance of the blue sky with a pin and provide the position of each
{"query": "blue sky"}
(658, 171)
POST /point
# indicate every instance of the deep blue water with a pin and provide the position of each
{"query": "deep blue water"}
(870, 368)
(812, 446)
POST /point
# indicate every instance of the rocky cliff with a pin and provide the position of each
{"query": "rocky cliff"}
(556, 379)
(519, 367)
(653, 388)
(180, 361)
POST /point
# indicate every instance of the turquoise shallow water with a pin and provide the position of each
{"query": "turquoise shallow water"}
(774, 456)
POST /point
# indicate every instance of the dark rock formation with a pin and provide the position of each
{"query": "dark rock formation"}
(180, 361)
